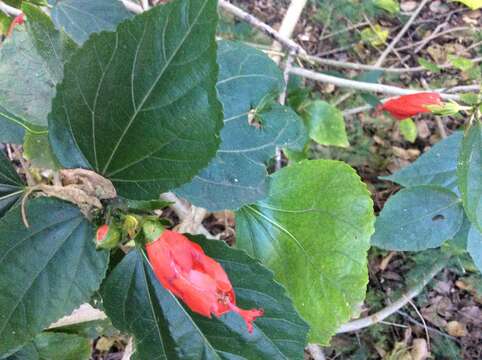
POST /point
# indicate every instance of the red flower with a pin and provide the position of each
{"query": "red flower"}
(183, 268)
(407, 106)
(102, 232)
(19, 20)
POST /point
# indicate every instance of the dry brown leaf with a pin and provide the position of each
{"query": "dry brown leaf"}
(457, 329)
(419, 350)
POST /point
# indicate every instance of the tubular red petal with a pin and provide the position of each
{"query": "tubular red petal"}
(407, 106)
(102, 232)
(249, 316)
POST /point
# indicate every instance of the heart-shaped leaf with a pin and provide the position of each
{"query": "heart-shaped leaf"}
(37, 49)
(326, 124)
(436, 167)
(11, 186)
(253, 129)
(313, 231)
(144, 113)
(81, 18)
(418, 218)
(469, 174)
(165, 329)
(47, 270)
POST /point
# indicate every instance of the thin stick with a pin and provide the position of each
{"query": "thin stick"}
(268, 30)
(364, 86)
(402, 32)
(395, 306)
(135, 8)
(289, 22)
(9, 10)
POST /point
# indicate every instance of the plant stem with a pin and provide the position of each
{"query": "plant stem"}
(395, 306)
(364, 86)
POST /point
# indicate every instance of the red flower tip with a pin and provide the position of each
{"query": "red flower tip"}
(407, 106)
(102, 232)
(182, 267)
(19, 20)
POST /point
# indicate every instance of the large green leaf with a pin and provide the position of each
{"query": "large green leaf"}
(469, 173)
(81, 18)
(164, 329)
(437, 166)
(11, 132)
(474, 246)
(47, 270)
(326, 124)
(31, 64)
(54, 346)
(144, 110)
(418, 218)
(313, 231)
(11, 186)
(248, 80)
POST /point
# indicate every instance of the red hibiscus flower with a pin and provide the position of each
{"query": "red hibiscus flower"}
(19, 20)
(407, 106)
(183, 268)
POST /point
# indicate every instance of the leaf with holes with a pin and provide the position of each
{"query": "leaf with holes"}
(313, 231)
(437, 166)
(37, 49)
(248, 82)
(418, 218)
(11, 186)
(144, 112)
(81, 18)
(469, 174)
(165, 329)
(48, 269)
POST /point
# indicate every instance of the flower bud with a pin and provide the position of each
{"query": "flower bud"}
(131, 225)
(152, 230)
(107, 237)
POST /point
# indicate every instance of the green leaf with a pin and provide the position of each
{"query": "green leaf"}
(313, 231)
(53, 345)
(437, 166)
(472, 4)
(375, 35)
(391, 6)
(430, 66)
(37, 149)
(248, 81)
(326, 124)
(10, 132)
(469, 174)
(11, 186)
(48, 269)
(164, 329)
(460, 63)
(80, 19)
(31, 64)
(144, 113)
(408, 129)
(474, 246)
(418, 218)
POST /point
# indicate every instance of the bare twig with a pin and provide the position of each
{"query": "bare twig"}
(129, 350)
(402, 32)
(395, 306)
(289, 22)
(316, 352)
(268, 30)
(9, 10)
(364, 86)
(131, 6)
